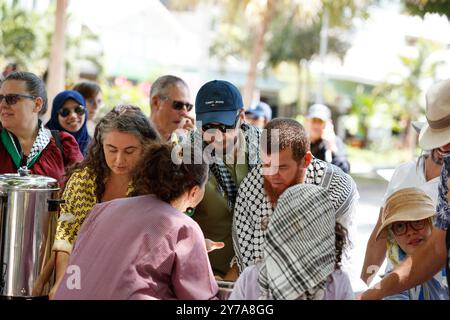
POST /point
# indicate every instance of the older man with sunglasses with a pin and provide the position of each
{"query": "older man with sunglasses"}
(233, 150)
(170, 106)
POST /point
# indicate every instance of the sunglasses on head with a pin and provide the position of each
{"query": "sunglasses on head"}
(220, 126)
(13, 98)
(400, 228)
(179, 105)
(64, 112)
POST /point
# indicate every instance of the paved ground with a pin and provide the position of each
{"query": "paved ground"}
(371, 188)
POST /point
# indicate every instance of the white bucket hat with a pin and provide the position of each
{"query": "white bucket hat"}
(436, 132)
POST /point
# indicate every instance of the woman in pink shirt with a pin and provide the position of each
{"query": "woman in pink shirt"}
(145, 247)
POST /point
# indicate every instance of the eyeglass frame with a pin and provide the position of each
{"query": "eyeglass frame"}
(79, 107)
(422, 225)
(9, 95)
(176, 103)
(221, 127)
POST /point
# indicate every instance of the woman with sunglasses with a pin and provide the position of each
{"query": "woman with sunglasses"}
(92, 93)
(24, 140)
(407, 222)
(69, 114)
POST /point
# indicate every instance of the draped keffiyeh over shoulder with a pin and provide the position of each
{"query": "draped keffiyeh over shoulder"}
(253, 208)
(299, 251)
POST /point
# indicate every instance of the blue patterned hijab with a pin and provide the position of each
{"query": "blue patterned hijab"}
(81, 135)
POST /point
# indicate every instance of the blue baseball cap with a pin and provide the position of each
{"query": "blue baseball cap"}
(218, 101)
(261, 110)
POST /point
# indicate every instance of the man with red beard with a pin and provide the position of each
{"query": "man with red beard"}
(422, 173)
(427, 261)
(286, 161)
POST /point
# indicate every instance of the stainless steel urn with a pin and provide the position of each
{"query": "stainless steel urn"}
(27, 229)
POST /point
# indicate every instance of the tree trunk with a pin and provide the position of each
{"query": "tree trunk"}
(258, 49)
(57, 69)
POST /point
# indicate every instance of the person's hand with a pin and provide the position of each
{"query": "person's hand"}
(371, 294)
(189, 123)
(329, 137)
(212, 245)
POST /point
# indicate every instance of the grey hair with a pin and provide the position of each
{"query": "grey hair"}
(35, 86)
(162, 83)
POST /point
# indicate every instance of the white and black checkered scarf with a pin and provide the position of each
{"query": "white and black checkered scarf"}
(253, 208)
(299, 251)
(218, 168)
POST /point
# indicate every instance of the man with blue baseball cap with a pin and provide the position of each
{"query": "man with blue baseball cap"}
(234, 151)
(259, 115)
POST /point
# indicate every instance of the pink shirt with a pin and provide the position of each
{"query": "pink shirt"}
(138, 248)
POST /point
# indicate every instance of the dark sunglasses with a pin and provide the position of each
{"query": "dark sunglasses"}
(220, 126)
(400, 228)
(179, 105)
(64, 112)
(13, 98)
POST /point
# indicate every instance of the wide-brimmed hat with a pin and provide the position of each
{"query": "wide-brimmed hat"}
(436, 132)
(409, 204)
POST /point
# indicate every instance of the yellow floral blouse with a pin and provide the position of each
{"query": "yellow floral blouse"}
(79, 196)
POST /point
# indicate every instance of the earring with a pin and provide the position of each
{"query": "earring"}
(190, 211)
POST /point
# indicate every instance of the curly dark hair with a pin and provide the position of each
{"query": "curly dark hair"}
(341, 243)
(123, 118)
(158, 174)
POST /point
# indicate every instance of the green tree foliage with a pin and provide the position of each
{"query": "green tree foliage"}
(23, 36)
(422, 7)
(26, 35)
(294, 31)
(402, 93)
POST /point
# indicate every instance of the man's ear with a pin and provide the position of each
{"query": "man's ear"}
(154, 103)
(308, 158)
(242, 115)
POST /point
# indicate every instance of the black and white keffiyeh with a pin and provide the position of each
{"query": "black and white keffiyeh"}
(14, 149)
(253, 208)
(218, 168)
(299, 250)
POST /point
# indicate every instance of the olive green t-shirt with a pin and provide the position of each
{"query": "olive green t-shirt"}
(214, 217)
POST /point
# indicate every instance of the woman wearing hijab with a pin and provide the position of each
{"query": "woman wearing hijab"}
(24, 140)
(69, 114)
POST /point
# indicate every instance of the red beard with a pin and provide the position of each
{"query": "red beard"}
(275, 194)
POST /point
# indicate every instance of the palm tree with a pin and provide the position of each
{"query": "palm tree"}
(57, 68)
(257, 18)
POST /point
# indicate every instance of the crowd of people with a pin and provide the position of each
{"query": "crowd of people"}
(269, 205)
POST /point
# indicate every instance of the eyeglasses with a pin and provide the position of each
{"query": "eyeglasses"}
(400, 228)
(64, 112)
(220, 126)
(13, 98)
(179, 105)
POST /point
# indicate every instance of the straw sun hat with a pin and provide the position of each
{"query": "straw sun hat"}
(436, 132)
(409, 204)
